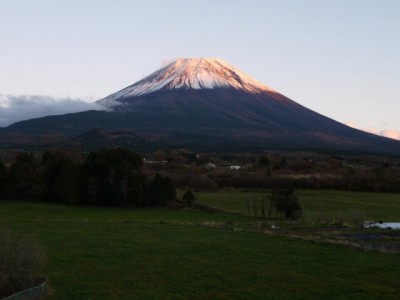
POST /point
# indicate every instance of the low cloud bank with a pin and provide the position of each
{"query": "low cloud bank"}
(14, 108)
(393, 134)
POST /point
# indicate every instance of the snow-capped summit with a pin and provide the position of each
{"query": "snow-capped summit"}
(190, 73)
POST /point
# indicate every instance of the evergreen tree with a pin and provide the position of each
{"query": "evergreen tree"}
(22, 177)
(188, 198)
(107, 176)
(161, 192)
(263, 162)
(48, 176)
(3, 180)
(135, 190)
(66, 187)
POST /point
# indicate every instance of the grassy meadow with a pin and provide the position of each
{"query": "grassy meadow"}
(371, 206)
(109, 253)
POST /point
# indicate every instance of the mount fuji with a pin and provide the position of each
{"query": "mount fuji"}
(189, 74)
(205, 103)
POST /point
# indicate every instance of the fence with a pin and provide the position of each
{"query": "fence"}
(37, 292)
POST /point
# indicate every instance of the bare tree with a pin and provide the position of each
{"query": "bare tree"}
(263, 204)
(248, 200)
(255, 207)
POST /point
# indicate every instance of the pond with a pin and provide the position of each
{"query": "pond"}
(383, 225)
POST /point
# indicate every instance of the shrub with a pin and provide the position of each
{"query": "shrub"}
(189, 198)
(22, 260)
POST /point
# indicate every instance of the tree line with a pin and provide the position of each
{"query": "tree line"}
(353, 172)
(107, 177)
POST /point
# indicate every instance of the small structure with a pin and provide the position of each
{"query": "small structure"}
(235, 167)
(153, 162)
(210, 166)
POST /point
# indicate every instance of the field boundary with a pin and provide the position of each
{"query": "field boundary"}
(37, 292)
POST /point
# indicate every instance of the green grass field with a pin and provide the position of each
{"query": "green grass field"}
(372, 206)
(99, 253)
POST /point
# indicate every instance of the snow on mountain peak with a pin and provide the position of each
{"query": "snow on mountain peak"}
(190, 73)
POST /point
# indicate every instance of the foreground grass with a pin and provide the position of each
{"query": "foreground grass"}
(159, 254)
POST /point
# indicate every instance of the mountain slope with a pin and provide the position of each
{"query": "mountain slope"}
(208, 104)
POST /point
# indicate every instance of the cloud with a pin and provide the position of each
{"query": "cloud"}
(14, 108)
(350, 124)
(167, 61)
(393, 134)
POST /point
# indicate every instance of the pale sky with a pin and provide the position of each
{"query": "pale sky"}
(339, 58)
